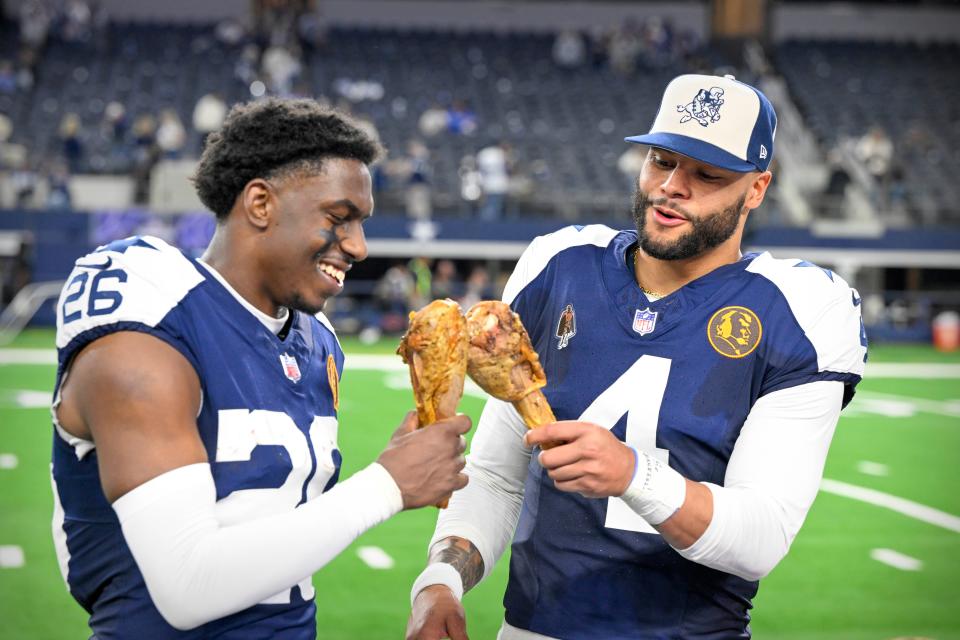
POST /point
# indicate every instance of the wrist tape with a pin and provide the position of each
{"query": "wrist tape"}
(657, 491)
(438, 573)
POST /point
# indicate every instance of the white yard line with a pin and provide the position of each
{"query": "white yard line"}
(11, 557)
(911, 370)
(873, 468)
(925, 370)
(25, 399)
(896, 559)
(28, 356)
(375, 558)
(893, 403)
(903, 506)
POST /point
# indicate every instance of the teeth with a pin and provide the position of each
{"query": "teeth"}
(333, 272)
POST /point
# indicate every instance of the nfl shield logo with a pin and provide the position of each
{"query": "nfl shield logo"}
(645, 321)
(290, 367)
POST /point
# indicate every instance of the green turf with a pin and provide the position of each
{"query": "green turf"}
(828, 587)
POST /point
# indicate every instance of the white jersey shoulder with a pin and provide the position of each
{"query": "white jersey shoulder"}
(325, 321)
(539, 253)
(825, 307)
(137, 280)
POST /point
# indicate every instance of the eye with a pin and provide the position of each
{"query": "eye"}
(708, 177)
(660, 162)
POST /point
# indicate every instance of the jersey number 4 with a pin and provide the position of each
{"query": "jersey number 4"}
(638, 393)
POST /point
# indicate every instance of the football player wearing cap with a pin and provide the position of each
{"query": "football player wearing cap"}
(697, 400)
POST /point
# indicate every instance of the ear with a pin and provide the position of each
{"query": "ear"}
(757, 190)
(259, 203)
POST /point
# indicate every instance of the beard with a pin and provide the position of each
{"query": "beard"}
(709, 230)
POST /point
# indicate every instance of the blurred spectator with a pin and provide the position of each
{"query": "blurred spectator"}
(76, 21)
(246, 68)
(657, 42)
(422, 287)
(875, 150)
(230, 32)
(72, 145)
(477, 288)
(446, 282)
(208, 114)
(171, 136)
(6, 128)
(835, 190)
(470, 184)
(312, 30)
(26, 61)
(146, 154)
(34, 24)
(414, 170)
(23, 180)
(393, 292)
(433, 120)
(17, 272)
(461, 120)
(276, 21)
(569, 50)
(58, 179)
(8, 77)
(629, 164)
(492, 162)
(625, 47)
(599, 46)
(115, 124)
(281, 67)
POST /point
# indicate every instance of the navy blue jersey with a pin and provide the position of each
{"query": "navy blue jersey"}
(268, 422)
(675, 378)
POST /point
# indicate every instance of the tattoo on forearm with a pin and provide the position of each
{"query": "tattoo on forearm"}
(464, 557)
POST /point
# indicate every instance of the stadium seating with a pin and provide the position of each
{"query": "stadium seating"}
(566, 126)
(911, 90)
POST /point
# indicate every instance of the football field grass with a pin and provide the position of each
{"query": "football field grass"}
(878, 558)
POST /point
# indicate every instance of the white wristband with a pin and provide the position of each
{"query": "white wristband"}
(438, 573)
(657, 491)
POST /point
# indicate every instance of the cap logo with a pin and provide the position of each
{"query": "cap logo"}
(704, 108)
(763, 152)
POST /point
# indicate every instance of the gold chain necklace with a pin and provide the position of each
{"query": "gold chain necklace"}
(636, 257)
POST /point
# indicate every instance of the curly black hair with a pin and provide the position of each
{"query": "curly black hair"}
(272, 137)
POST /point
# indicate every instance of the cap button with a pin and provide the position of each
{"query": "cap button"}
(729, 76)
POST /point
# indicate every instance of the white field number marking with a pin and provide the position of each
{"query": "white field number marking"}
(11, 557)
(375, 558)
(896, 559)
(873, 468)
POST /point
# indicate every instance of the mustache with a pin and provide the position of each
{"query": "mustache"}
(643, 201)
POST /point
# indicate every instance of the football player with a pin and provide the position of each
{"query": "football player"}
(696, 403)
(195, 457)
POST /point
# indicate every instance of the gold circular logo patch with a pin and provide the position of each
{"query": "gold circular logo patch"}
(734, 332)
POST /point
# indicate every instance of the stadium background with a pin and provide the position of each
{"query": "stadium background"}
(90, 96)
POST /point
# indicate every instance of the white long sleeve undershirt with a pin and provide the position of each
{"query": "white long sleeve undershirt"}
(197, 570)
(771, 481)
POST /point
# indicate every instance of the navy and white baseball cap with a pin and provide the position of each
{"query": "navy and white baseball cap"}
(717, 120)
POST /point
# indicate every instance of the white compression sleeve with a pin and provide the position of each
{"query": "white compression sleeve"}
(197, 570)
(485, 512)
(771, 481)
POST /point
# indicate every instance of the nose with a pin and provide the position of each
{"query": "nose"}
(675, 184)
(353, 242)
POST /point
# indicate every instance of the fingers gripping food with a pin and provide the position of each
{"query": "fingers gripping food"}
(502, 361)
